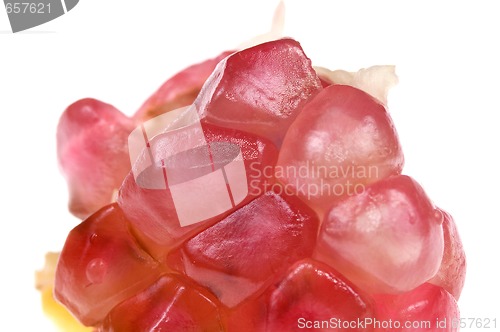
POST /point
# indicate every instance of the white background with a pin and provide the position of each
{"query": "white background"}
(445, 108)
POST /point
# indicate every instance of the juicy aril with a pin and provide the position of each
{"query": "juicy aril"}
(329, 233)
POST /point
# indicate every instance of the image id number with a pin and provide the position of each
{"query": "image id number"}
(28, 7)
(475, 323)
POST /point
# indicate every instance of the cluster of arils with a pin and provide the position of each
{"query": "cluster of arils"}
(326, 229)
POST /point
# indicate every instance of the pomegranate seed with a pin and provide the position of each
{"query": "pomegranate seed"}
(169, 304)
(94, 269)
(388, 239)
(178, 91)
(310, 296)
(152, 212)
(92, 152)
(343, 140)
(253, 92)
(426, 308)
(260, 239)
(451, 274)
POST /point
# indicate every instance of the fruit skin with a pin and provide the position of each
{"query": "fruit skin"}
(429, 307)
(307, 294)
(388, 239)
(342, 140)
(101, 264)
(374, 80)
(251, 91)
(92, 153)
(172, 303)
(152, 212)
(451, 274)
(260, 239)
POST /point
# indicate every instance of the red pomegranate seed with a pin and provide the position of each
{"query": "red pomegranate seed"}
(170, 304)
(253, 92)
(342, 140)
(262, 238)
(388, 239)
(101, 265)
(451, 274)
(92, 153)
